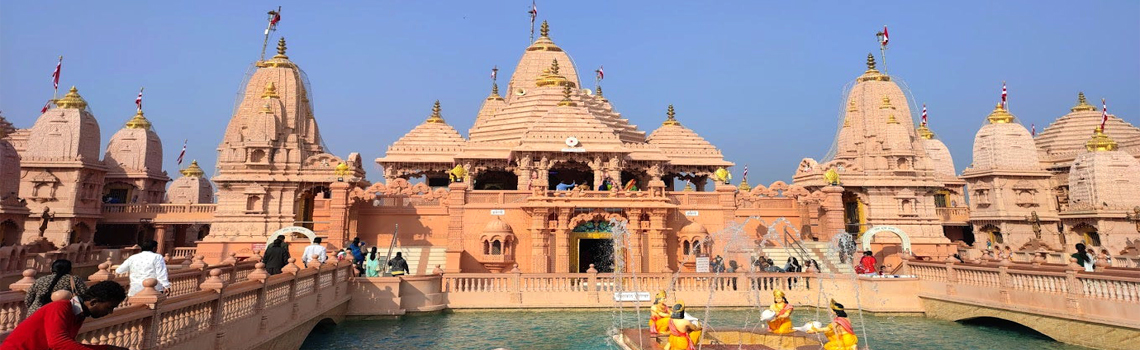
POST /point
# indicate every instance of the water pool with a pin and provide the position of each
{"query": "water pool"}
(587, 330)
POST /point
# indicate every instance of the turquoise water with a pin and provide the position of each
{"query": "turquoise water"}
(586, 330)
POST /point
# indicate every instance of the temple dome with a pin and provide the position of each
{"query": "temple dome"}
(684, 146)
(1064, 139)
(535, 60)
(192, 188)
(694, 229)
(877, 123)
(491, 105)
(497, 226)
(135, 148)
(67, 132)
(938, 152)
(1004, 144)
(9, 163)
(566, 120)
(433, 141)
(1104, 177)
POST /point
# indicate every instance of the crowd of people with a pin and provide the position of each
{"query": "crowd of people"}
(368, 261)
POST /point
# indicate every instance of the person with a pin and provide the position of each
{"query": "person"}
(276, 256)
(61, 279)
(1083, 258)
(563, 186)
(659, 314)
(684, 334)
(341, 254)
(840, 334)
(866, 264)
(357, 250)
(55, 325)
(1105, 256)
(397, 265)
(1007, 253)
(771, 267)
(317, 249)
(631, 185)
(145, 264)
(796, 265)
(781, 322)
(788, 266)
(1092, 260)
(372, 264)
(718, 264)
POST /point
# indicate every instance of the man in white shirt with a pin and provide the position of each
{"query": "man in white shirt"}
(145, 264)
(315, 248)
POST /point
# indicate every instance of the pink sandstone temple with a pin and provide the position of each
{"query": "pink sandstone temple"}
(548, 166)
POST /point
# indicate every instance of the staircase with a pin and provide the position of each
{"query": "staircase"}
(421, 260)
(820, 251)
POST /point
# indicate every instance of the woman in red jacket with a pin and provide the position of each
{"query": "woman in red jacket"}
(55, 325)
(866, 264)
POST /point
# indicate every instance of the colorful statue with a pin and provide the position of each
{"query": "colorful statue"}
(780, 321)
(832, 177)
(659, 314)
(341, 170)
(457, 174)
(723, 175)
(631, 185)
(684, 331)
(840, 334)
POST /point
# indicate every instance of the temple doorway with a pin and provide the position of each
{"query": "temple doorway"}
(592, 242)
(498, 179)
(571, 173)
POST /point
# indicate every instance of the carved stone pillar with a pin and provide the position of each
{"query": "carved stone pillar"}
(634, 263)
(658, 247)
(455, 201)
(832, 220)
(562, 242)
(540, 242)
(160, 236)
(524, 177)
(338, 213)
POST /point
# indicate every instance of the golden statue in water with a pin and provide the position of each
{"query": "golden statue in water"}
(684, 332)
(457, 174)
(722, 175)
(840, 334)
(780, 321)
(659, 314)
(832, 177)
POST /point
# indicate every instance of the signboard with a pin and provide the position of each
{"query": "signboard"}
(703, 264)
(498, 212)
(260, 247)
(692, 213)
(632, 296)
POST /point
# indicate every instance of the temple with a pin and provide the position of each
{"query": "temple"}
(549, 166)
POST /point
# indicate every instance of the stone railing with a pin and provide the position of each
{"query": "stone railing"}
(158, 213)
(956, 214)
(1063, 258)
(224, 311)
(1111, 296)
(694, 198)
(184, 276)
(185, 252)
(15, 259)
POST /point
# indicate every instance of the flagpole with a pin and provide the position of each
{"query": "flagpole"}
(265, 43)
(883, 53)
(55, 94)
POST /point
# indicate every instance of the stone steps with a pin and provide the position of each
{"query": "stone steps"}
(421, 260)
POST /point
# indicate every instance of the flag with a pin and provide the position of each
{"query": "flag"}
(138, 100)
(533, 13)
(1033, 129)
(46, 106)
(923, 114)
(601, 74)
(55, 74)
(1103, 114)
(1004, 95)
(274, 17)
(494, 73)
(183, 154)
(885, 37)
(746, 173)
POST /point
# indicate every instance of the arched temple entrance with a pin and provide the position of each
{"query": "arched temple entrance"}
(291, 232)
(887, 255)
(592, 242)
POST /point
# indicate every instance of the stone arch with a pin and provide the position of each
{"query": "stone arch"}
(880, 228)
(1088, 234)
(10, 233)
(290, 232)
(80, 233)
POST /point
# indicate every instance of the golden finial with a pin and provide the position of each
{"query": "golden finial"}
(744, 186)
(924, 132)
(672, 120)
(554, 67)
(544, 30)
(688, 186)
(138, 122)
(550, 77)
(891, 119)
(435, 116)
(851, 106)
(1000, 115)
(871, 63)
(281, 48)
(886, 102)
(846, 122)
(566, 97)
(71, 100)
(270, 91)
(494, 93)
(872, 73)
(598, 91)
(193, 170)
(1100, 142)
(1082, 104)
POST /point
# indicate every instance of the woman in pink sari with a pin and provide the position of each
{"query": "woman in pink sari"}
(866, 264)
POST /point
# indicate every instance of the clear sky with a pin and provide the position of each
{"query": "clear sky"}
(761, 80)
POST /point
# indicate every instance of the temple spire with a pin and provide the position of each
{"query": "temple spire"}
(566, 101)
(72, 100)
(435, 117)
(281, 49)
(139, 121)
(193, 170)
(1082, 104)
(1100, 142)
(544, 30)
(672, 117)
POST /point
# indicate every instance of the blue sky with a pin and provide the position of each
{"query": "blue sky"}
(761, 80)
